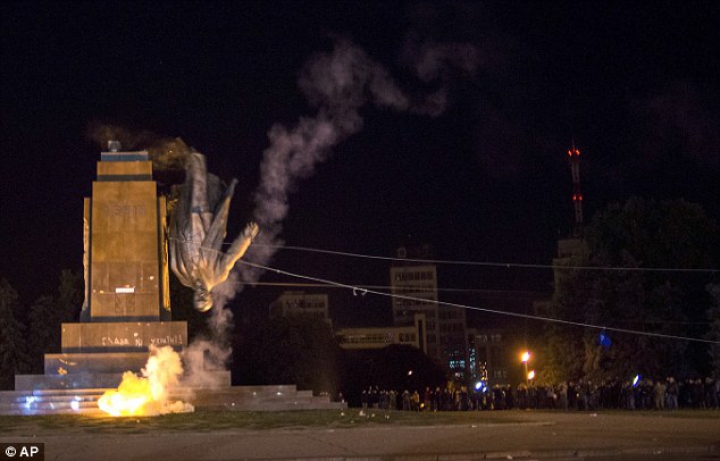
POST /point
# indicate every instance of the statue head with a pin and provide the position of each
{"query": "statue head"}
(203, 299)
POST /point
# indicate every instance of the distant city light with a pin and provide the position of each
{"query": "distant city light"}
(636, 380)
(531, 375)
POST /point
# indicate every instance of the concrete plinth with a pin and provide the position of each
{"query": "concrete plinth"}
(225, 398)
(122, 336)
(87, 380)
(111, 362)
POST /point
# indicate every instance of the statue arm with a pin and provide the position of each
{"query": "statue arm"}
(237, 249)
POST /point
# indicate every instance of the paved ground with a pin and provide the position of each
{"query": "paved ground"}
(557, 436)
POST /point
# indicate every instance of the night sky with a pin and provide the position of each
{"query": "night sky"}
(483, 178)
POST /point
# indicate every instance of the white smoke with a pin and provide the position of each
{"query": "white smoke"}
(206, 358)
(432, 61)
(338, 84)
(205, 364)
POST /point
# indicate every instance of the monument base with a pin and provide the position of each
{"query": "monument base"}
(239, 398)
(92, 380)
(109, 362)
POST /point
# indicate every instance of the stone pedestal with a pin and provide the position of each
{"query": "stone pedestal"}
(127, 309)
(127, 302)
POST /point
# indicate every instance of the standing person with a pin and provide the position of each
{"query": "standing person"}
(364, 399)
(375, 398)
(659, 395)
(672, 393)
(627, 399)
(509, 397)
(582, 396)
(698, 394)
(710, 397)
(383, 400)
(550, 397)
(563, 396)
(392, 399)
(429, 399)
(415, 401)
(684, 394)
(572, 396)
(406, 400)
(645, 402)
(447, 399)
(498, 397)
(489, 399)
(522, 393)
(464, 398)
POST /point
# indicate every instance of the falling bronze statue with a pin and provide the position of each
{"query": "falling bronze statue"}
(197, 232)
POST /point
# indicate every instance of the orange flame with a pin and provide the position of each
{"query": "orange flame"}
(147, 395)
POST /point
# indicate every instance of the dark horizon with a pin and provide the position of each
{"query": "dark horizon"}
(486, 179)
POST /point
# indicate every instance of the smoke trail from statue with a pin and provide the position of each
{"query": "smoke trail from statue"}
(166, 153)
(205, 356)
(338, 84)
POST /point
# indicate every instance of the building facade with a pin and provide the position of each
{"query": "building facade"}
(490, 360)
(415, 291)
(414, 335)
(301, 304)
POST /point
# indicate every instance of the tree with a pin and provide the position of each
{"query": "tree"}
(562, 354)
(70, 296)
(13, 359)
(44, 331)
(639, 234)
(395, 367)
(714, 333)
(47, 314)
(290, 350)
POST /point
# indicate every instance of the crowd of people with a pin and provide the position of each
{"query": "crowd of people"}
(639, 394)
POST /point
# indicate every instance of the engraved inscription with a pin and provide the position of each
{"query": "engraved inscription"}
(169, 340)
(124, 210)
(115, 341)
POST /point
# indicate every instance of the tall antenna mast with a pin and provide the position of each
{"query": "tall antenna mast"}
(577, 197)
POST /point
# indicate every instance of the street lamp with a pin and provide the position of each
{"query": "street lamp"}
(525, 357)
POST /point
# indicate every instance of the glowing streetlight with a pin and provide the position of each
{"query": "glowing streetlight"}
(525, 357)
(531, 375)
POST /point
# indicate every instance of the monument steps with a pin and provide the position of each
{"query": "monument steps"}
(238, 398)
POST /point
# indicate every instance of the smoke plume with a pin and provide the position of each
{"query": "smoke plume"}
(166, 153)
(206, 358)
(680, 118)
(338, 84)
(432, 61)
